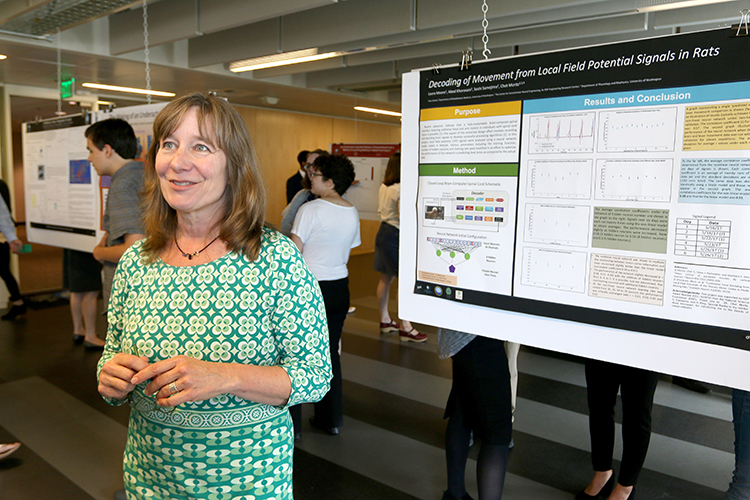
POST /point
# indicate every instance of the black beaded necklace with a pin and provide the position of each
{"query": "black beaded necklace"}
(194, 254)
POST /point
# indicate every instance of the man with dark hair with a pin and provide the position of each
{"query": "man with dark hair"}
(294, 183)
(112, 146)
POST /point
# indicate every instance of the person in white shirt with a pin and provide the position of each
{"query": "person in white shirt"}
(386, 250)
(325, 230)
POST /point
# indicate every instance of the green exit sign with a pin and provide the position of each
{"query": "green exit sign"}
(67, 88)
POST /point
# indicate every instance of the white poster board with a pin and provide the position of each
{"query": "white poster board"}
(593, 201)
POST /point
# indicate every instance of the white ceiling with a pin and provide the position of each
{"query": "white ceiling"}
(191, 42)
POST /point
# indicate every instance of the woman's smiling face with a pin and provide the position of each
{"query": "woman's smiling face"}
(192, 170)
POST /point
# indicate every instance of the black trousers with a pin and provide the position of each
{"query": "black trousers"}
(329, 411)
(480, 393)
(6, 275)
(637, 387)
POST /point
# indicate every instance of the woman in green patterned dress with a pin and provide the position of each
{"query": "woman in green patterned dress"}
(216, 325)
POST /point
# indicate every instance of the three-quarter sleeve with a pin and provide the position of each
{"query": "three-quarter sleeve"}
(300, 325)
(116, 312)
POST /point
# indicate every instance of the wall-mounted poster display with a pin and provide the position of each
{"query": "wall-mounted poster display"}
(594, 201)
(369, 162)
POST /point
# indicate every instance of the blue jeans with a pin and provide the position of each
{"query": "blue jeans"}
(739, 489)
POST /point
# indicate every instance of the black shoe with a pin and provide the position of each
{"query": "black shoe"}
(603, 493)
(448, 496)
(14, 312)
(78, 340)
(92, 347)
(331, 431)
(691, 385)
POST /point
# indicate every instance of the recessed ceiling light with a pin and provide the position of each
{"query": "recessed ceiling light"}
(676, 5)
(130, 90)
(377, 111)
(284, 59)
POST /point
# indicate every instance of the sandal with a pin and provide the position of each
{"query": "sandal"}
(412, 336)
(389, 327)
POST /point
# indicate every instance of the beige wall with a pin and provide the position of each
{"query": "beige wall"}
(278, 136)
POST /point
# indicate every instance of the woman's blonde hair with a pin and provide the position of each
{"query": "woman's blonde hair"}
(244, 214)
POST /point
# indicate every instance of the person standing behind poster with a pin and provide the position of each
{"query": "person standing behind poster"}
(636, 387)
(112, 146)
(479, 403)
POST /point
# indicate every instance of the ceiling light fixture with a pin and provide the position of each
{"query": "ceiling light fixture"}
(284, 59)
(677, 5)
(3, 56)
(130, 90)
(377, 111)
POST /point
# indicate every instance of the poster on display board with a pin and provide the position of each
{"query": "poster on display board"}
(65, 198)
(370, 161)
(594, 201)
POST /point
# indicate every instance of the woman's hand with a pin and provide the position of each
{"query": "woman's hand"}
(117, 373)
(182, 379)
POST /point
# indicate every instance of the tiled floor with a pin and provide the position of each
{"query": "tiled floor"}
(391, 446)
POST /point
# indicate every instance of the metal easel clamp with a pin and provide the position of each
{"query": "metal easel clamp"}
(743, 21)
(466, 57)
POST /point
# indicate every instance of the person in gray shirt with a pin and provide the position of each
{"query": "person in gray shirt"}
(112, 146)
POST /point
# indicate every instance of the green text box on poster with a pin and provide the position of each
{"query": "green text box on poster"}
(473, 169)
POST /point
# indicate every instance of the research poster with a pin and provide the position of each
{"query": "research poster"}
(65, 198)
(607, 186)
(61, 186)
(370, 162)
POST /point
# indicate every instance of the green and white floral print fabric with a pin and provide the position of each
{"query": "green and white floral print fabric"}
(267, 312)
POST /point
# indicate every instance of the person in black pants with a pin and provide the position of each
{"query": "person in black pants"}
(17, 305)
(637, 387)
(479, 402)
(325, 230)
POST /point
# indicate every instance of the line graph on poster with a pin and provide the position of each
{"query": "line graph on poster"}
(562, 133)
(638, 130)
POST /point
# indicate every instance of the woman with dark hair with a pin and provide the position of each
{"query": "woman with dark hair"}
(386, 250)
(325, 230)
(303, 196)
(216, 323)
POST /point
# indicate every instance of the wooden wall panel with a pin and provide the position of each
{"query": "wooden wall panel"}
(279, 135)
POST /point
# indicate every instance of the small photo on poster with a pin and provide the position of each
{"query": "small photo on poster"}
(80, 172)
(434, 212)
